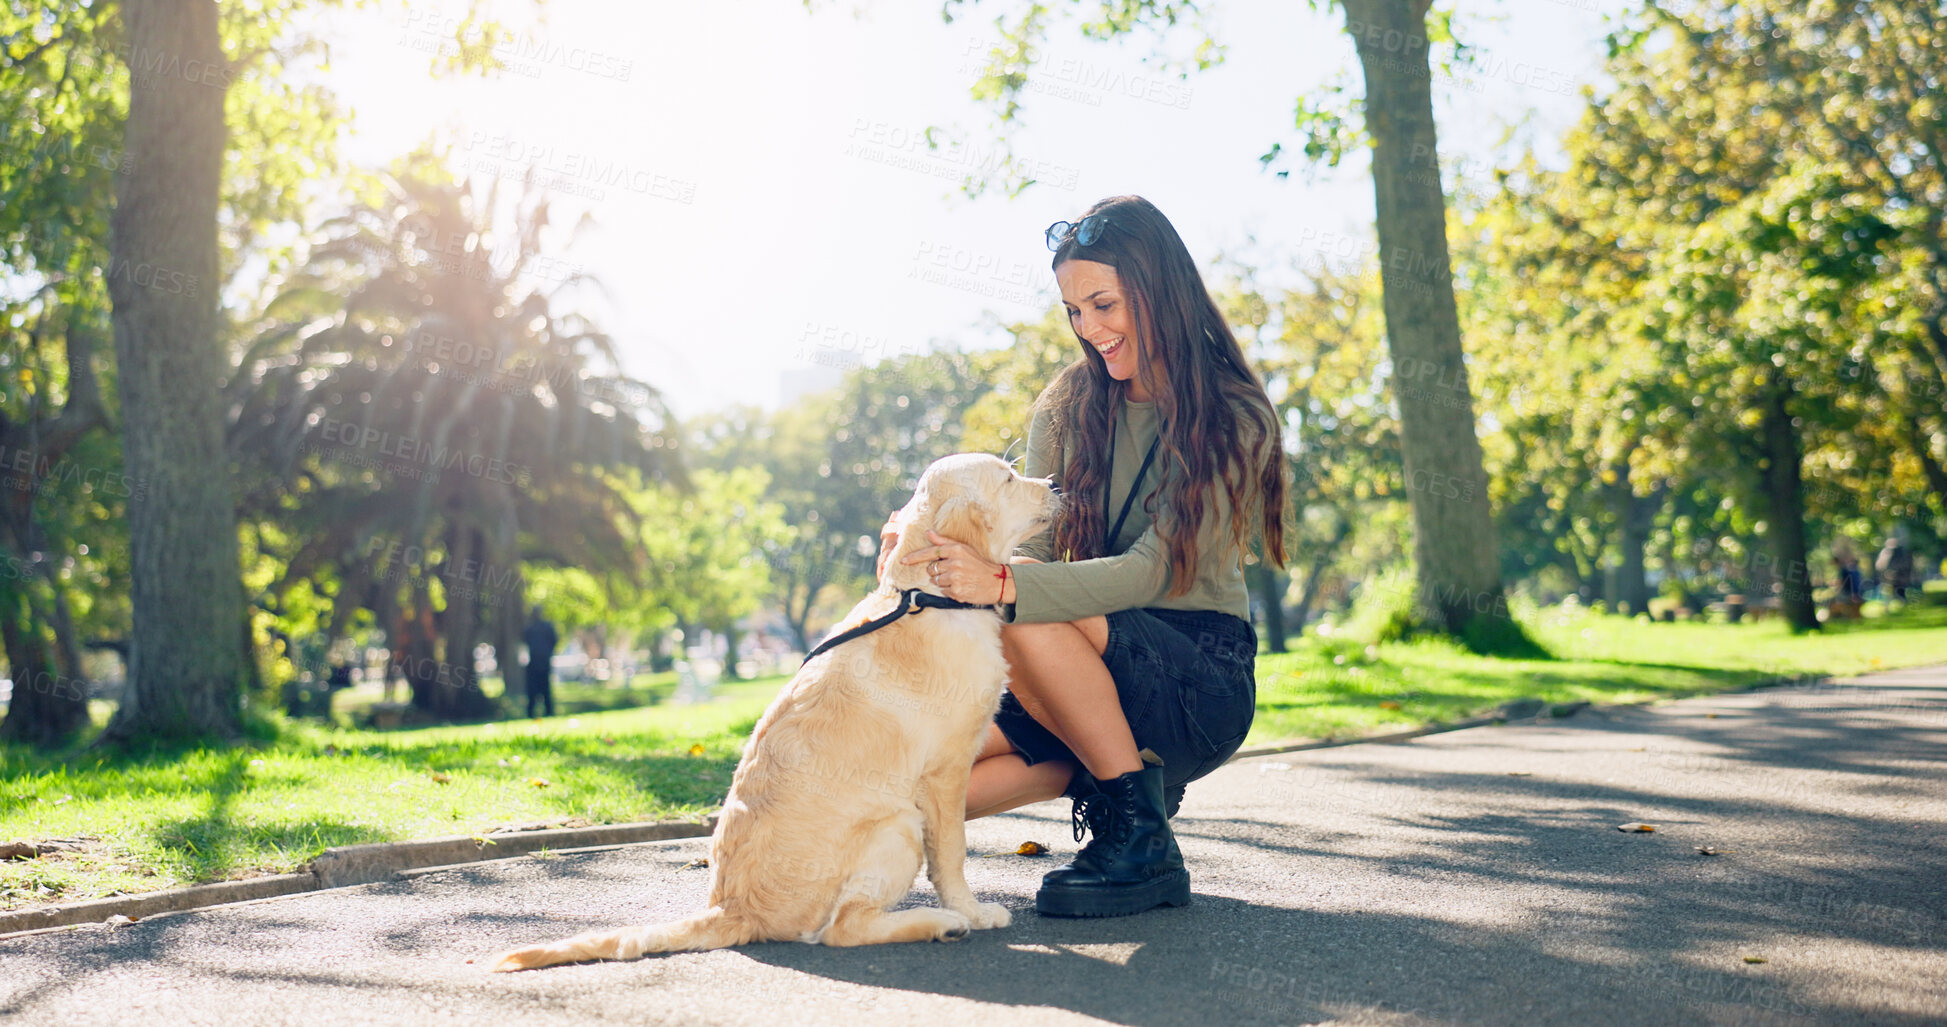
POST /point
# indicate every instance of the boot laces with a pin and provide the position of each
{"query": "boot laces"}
(1088, 814)
(1102, 816)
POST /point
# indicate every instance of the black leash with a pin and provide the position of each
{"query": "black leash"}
(911, 600)
(1116, 531)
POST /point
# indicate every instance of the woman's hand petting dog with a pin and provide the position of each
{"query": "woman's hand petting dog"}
(963, 574)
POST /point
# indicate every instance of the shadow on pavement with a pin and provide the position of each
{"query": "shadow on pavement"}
(1559, 917)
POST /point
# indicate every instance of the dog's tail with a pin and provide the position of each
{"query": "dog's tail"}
(714, 929)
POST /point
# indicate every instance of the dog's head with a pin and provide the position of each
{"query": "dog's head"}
(978, 499)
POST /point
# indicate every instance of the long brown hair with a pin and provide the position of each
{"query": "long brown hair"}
(1206, 397)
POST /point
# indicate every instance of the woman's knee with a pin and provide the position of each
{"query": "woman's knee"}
(1056, 637)
(994, 744)
(1033, 638)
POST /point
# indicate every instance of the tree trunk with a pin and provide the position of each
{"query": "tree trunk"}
(796, 614)
(1269, 586)
(1785, 499)
(186, 669)
(1673, 572)
(507, 614)
(1454, 542)
(505, 637)
(414, 654)
(660, 658)
(1315, 576)
(1635, 516)
(457, 695)
(49, 707)
(733, 636)
(52, 711)
(1922, 445)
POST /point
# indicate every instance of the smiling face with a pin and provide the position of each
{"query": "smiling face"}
(1103, 315)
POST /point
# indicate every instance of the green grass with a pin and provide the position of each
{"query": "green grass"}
(171, 818)
(1338, 689)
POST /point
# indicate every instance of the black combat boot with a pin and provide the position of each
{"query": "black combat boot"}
(1130, 864)
(1082, 784)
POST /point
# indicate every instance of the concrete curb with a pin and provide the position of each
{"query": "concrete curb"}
(364, 864)
(147, 904)
(1548, 711)
(349, 865)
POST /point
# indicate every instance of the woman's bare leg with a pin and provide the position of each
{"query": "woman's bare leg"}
(1055, 670)
(1002, 780)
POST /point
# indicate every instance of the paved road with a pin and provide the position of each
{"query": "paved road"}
(1469, 877)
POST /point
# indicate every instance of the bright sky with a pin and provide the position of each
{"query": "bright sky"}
(766, 214)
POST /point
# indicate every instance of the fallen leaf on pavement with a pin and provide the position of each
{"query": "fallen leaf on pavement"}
(1636, 826)
(1026, 849)
(695, 864)
(1705, 850)
(1755, 959)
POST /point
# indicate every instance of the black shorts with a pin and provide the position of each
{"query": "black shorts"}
(1187, 683)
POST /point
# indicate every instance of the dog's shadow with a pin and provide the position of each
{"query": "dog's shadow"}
(1165, 966)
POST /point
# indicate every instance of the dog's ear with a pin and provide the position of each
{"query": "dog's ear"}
(964, 520)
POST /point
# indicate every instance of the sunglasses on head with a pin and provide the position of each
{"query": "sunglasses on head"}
(1086, 232)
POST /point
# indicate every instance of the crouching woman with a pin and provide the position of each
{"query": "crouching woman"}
(1127, 625)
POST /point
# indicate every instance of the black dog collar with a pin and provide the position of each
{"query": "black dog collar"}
(911, 600)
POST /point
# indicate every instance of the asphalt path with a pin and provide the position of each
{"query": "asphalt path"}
(1476, 876)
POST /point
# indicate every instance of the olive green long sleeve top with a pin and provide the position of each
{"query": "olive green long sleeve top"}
(1136, 571)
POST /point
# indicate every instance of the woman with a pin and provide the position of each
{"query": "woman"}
(1127, 625)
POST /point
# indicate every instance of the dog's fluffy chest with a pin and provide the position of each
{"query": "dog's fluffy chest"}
(934, 668)
(959, 673)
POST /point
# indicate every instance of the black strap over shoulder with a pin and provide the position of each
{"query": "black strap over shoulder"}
(1116, 532)
(911, 600)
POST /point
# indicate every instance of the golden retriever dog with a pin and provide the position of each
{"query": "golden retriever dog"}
(859, 767)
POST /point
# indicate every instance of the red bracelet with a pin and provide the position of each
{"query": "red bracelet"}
(1003, 576)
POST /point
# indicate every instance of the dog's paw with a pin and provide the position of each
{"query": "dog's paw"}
(957, 927)
(988, 915)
